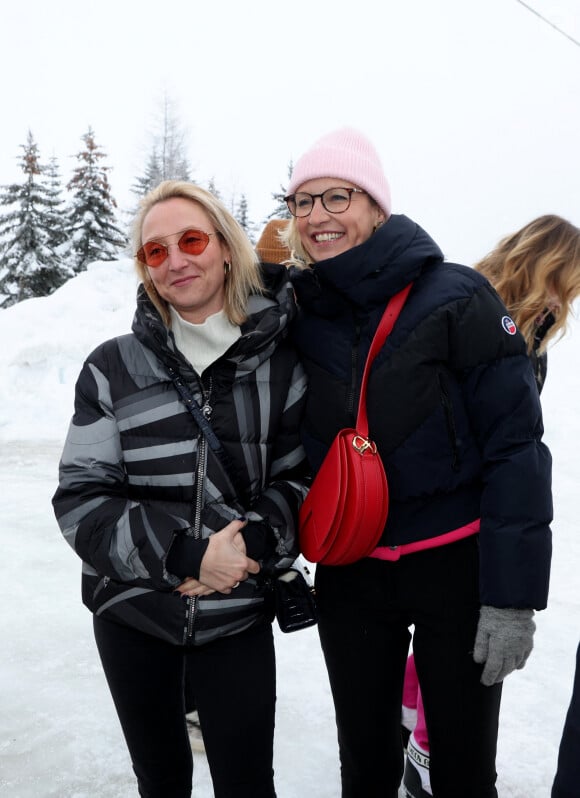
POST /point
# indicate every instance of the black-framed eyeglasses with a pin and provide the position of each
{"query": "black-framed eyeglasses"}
(334, 200)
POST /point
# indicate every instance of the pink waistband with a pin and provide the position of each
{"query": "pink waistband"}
(393, 553)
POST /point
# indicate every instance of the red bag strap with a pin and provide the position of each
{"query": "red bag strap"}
(386, 324)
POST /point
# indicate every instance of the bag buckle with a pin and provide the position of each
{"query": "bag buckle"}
(362, 444)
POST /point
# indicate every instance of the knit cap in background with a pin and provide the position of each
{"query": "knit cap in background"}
(269, 247)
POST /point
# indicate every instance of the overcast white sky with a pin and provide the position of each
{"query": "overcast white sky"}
(474, 106)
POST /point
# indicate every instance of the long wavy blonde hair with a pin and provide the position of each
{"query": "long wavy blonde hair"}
(243, 277)
(533, 267)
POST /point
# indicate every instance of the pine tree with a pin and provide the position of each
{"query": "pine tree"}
(281, 210)
(150, 178)
(213, 189)
(242, 215)
(29, 264)
(167, 159)
(172, 150)
(57, 232)
(91, 218)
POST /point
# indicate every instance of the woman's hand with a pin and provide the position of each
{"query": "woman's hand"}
(224, 564)
(193, 587)
(239, 542)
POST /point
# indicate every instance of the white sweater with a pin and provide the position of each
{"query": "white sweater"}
(203, 343)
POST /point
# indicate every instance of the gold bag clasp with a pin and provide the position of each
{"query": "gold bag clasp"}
(363, 444)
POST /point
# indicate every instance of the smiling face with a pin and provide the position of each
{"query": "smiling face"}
(324, 234)
(193, 284)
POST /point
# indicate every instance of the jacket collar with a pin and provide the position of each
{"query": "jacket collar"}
(269, 317)
(366, 276)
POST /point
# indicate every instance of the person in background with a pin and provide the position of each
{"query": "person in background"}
(270, 247)
(175, 534)
(536, 272)
(455, 414)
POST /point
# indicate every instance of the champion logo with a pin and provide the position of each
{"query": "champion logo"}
(509, 325)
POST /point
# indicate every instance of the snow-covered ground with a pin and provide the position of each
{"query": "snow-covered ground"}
(59, 734)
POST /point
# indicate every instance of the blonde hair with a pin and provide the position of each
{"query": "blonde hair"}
(244, 276)
(290, 238)
(542, 258)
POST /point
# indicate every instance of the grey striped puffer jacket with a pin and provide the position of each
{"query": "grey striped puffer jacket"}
(134, 470)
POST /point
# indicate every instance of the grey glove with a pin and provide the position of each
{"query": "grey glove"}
(503, 641)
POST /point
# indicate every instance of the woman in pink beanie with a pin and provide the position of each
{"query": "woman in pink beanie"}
(455, 415)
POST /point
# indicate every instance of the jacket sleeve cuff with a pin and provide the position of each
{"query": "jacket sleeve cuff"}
(259, 540)
(185, 556)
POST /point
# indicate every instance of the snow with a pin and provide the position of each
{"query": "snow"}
(59, 734)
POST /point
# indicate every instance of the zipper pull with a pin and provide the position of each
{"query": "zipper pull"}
(206, 408)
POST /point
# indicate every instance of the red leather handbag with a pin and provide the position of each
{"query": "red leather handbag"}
(345, 511)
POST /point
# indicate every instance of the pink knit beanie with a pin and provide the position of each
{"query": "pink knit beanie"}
(348, 155)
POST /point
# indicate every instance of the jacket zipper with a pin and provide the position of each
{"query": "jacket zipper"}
(196, 526)
(451, 431)
(353, 372)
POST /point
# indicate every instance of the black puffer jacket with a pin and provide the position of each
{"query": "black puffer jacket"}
(128, 482)
(452, 403)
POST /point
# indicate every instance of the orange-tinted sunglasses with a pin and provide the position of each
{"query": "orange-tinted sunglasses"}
(191, 241)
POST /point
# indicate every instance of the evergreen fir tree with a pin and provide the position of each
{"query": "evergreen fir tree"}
(55, 217)
(29, 264)
(150, 178)
(242, 215)
(281, 210)
(167, 159)
(172, 149)
(93, 230)
(213, 189)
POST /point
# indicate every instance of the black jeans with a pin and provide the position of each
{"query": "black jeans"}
(235, 693)
(365, 611)
(567, 780)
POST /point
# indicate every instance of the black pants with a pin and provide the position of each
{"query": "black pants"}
(235, 693)
(365, 611)
(567, 781)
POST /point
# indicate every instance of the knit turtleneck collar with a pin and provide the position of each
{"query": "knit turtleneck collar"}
(202, 344)
(270, 313)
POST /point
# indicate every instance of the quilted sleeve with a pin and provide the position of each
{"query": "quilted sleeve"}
(504, 412)
(121, 538)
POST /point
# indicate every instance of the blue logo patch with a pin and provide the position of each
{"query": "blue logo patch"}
(509, 325)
